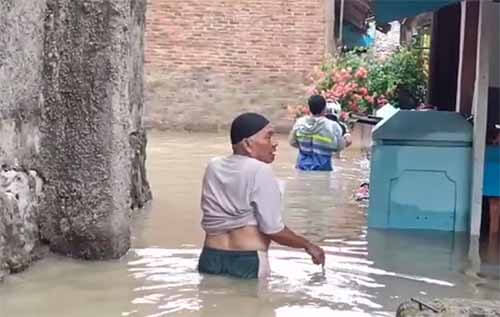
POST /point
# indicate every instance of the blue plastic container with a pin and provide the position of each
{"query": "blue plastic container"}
(421, 172)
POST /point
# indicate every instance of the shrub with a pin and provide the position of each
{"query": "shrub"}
(361, 84)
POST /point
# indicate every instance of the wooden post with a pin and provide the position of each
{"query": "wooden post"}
(330, 27)
(341, 21)
(480, 110)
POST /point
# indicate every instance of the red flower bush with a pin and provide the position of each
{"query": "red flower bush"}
(361, 84)
(347, 86)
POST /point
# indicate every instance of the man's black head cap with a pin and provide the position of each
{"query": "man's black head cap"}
(245, 125)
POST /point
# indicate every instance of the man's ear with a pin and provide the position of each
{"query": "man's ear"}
(246, 146)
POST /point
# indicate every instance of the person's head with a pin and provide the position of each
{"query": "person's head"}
(252, 135)
(333, 108)
(317, 105)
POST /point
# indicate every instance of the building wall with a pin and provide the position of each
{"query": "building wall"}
(208, 60)
(21, 46)
(387, 43)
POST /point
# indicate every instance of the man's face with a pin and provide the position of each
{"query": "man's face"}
(262, 145)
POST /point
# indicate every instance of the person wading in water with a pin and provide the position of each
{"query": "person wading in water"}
(317, 138)
(241, 202)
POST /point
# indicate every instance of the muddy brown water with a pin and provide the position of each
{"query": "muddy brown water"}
(367, 272)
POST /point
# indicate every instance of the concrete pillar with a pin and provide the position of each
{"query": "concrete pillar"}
(92, 135)
(330, 27)
(72, 145)
(480, 111)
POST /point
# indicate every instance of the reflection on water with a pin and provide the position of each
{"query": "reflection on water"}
(368, 272)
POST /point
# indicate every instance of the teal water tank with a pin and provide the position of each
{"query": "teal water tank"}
(420, 174)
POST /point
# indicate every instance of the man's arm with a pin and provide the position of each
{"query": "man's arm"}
(289, 238)
(292, 137)
(337, 135)
(346, 134)
(267, 202)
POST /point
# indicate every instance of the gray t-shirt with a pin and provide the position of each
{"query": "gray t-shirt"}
(240, 191)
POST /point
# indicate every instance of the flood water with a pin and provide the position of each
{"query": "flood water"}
(367, 272)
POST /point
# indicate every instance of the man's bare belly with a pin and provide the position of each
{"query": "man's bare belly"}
(242, 239)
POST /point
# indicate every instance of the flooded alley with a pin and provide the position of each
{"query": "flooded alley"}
(367, 272)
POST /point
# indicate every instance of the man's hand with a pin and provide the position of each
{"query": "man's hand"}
(347, 139)
(317, 254)
(289, 238)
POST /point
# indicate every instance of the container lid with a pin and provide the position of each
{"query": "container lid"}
(435, 126)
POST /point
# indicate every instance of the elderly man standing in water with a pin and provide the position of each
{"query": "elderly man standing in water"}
(241, 202)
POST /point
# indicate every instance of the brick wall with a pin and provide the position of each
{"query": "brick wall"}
(211, 59)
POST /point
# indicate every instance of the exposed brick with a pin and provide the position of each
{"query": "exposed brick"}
(250, 49)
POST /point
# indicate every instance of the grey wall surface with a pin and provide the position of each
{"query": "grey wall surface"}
(71, 135)
(21, 62)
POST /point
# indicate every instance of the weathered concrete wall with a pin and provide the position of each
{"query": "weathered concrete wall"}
(21, 44)
(386, 44)
(20, 192)
(72, 145)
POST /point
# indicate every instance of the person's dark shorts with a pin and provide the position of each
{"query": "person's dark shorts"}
(241, 264)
